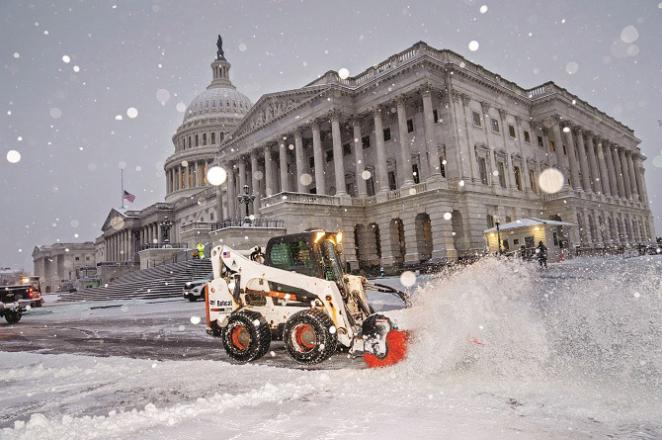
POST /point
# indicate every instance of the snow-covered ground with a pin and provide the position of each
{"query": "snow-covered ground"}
(501, 350)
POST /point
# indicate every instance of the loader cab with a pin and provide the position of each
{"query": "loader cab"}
(314, 253)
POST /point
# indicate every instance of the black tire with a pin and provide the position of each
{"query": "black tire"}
(192, 297)
(12, 317)
(308, 336)
(247, 336)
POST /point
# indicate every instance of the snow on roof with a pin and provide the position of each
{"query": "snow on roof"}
(528, 222)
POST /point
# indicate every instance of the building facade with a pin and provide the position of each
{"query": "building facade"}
(414, 157)
(62, 263)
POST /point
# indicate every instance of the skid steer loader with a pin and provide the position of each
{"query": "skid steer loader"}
(298, 291)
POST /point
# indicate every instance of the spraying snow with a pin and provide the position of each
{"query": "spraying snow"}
(501, 350)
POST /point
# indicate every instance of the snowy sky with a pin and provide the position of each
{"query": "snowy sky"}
(61, 116)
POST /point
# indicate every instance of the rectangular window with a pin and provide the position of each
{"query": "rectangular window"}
(565, 152)
(495, 125)
(540, 142)
(410, 125)
(442, 161)
(555, 237)
(518, 178)
(391, 180)
(329, 155)
(213, 138)
(365, 141)
(435, 116)
(482, 167)
(502, 174)
(196, 140)
(532, 181)
(509, 219)
(414, 173)
(511, 131)
(490, 220)
(370, 185)
(476, 119)
(204, 138)
(552, 146)
(346, 150)
(311, 162)
(387, 134)
(527, 136)
(189, 141)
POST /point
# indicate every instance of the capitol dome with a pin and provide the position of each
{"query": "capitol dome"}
(208, 121)
(223, 101)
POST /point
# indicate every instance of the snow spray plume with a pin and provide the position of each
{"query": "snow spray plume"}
(506, 319)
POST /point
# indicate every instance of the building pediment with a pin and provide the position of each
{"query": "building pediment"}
(113, 220)
(275, 105)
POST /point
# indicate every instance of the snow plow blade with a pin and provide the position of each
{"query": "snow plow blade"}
(383, 343)
(396, 350)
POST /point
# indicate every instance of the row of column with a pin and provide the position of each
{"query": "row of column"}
(599, 165)
(150, 234)
(119, 246)
(318, 180)
(193, 175)
(600, 228)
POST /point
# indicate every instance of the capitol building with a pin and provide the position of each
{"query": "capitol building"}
(413, 159)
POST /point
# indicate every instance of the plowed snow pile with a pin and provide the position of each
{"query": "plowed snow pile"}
(501, 350)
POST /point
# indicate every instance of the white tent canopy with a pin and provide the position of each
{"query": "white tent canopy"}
(527, 222)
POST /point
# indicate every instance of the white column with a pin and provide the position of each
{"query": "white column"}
(268, 171)
(358, 157)
(405, 151)
(241, 165)
(572, 157)
(609, 160)
(338, 159)
(583, 160)
(633, 177)
(618, 171)
(625, 171)
(428, 126)
(300, 160)
(605, 175)
(318, 157)
(380, 167)
(558, 142)
(232, 196)
(596, 180)
(255, 183)
(282, 159)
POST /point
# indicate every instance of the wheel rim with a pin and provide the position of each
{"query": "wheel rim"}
(305, 337)
(240, 337)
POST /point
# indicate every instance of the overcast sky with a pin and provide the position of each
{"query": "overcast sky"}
(61, 116)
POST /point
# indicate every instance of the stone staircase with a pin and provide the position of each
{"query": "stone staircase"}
(165, 281)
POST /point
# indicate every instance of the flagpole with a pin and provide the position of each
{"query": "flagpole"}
(122, 185)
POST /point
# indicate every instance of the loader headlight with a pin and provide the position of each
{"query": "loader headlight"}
(319, 236)
(339, 237)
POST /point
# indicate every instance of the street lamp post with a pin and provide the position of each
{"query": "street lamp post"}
(498, 235)
(246, 198)
(166, 224)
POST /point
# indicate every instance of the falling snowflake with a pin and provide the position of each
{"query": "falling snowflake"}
(13, 156)
(448, 216)
(55, 113)
(366, 175)
(408, 278)
(17, 55)
(343, 73)
(181, 107)
(216, 175)
(629, 34)
(76, 68)
(551, 180)
(132, 112)
(572, 67)
(195, 320)
(473, 45)
(483, 9)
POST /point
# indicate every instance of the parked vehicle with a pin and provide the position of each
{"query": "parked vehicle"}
(194, 290)
(28, 286)
(13, 302)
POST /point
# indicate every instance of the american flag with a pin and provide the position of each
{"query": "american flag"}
(128, 196)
